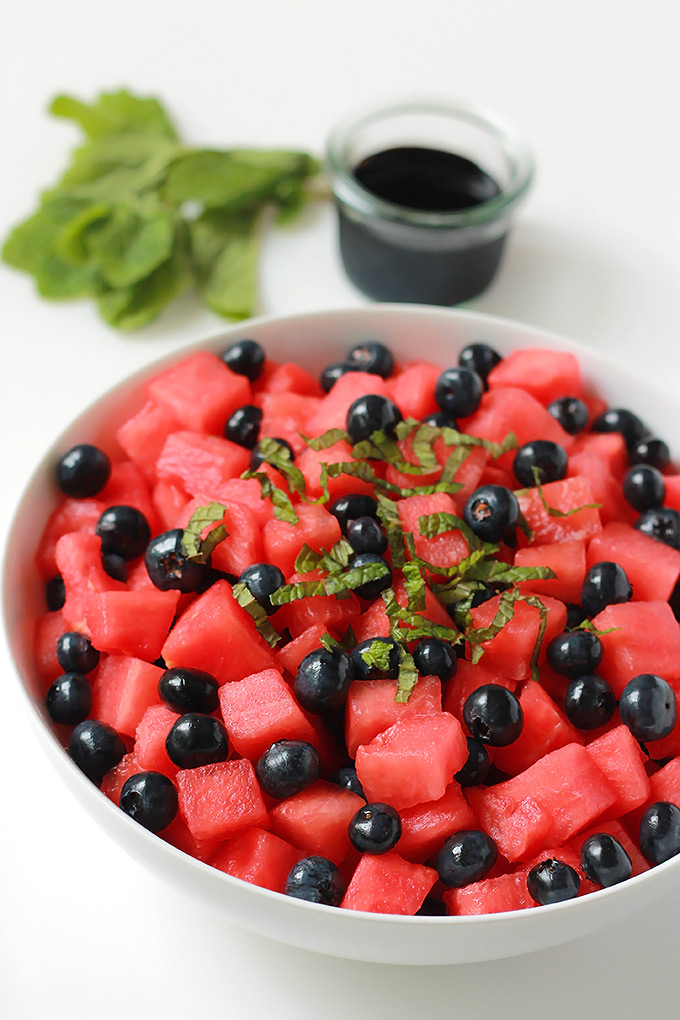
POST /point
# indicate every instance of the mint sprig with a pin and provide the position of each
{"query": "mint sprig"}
(194, 547)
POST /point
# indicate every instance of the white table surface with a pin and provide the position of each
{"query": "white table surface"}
(84, 931)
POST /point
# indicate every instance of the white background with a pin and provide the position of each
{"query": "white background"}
(595, 86)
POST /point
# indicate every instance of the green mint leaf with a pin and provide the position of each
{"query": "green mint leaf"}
(225, 251)
(377, 654)
(307, 560)
(60, 280)
(278, 456)
(133, 241)
(132, 307)
(329, 642)
(328, 439)
(476, 636)
(280, 500)
(114, 113)
(452, 437)
(551, 510)
(34, 240)
(454, 462)
(196, 548)
(407, 678)
(501, 573)
(256, 612)
(590, 626)
(388, 512)
(431, 525)
(415, 586)
(523, 526)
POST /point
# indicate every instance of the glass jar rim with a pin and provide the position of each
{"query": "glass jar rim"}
(351, 193)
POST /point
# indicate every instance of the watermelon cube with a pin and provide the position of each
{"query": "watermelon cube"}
(315, 821)
(566, 496)
(150, 737)
(132, 623)
(653, 568)
(285, 415)
(545, 729)
(200, 391)
(142, 436)
(619, 756)
(260, 709)
(316, 527)
(388, 885)
(509, 409)
(566, 559)
(425, 826)
(545, 374)
(48, 629)
(199, 463)
(217, 801)
(443, 550)
(370, 708)
(332, 411)
(511, 650)
(257, 856)
(243, 545)
(490, 896)
(123, 690)
(412, 390)
(113, 781)
(645, 639)
(73, 515)
(79, 560)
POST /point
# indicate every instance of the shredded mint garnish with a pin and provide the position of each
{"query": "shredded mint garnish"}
(332, 562)
(534, 600)
(195, 548)
(431, 525)
(388, 512)
(590, 626)
(551, 510)
(248, 602)
(378, 654)
(333, 584)
(415, 586)
(281, 501)
(328, 439)
(408, 677)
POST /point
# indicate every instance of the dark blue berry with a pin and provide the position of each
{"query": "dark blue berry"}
(69, 699)
(96, 748)
(322, 680)
(604, 861)
(620, 419)
(83, 471)
(351, 507)
(434, 657)
(589, 702)
(552, 881)
(317, 880)
(575, 653)
(75, 653)
(466, 856)
(605, 584)
(493, 715)
(375, 828)
(55, 593)
(332, 373)
(168, 567)
(662, 524)
(288, 767)
(365, 535)
(458, 391)
(648, 707)
(479, 358)
(540, 457)
(246, 357)
(347, 778)
(197, 739)
(262, 580)
(492, 512)
(115, 566)
(431, 907)
(644, 487)
(243, 426)
(371, 413)
(483, 594)
(361, 670)
(660, 832)
(476, 768)
(189, 690)
(569, 412)
(650, 450)
(370, 589)
(575, 616)
(441, 420)
(151, 799)
(123, 530)
(372, 357)
(257, 457)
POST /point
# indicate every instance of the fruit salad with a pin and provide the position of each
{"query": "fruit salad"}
(397, 639)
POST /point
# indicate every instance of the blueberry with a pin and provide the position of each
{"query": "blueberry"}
(262, 580)
(575, 653)
(660, 832)
(365, 535)
(466, 856)
(197, 739)
(372, 588)
(483, 594)
(604, 860)
(243, 426)
(69, 699)
(543, 457)
(569, 412)
(431, 907)
(648, 707)
(115, 566)
(123, 530)
(316, 879)
(361, 670)
(372, 357)
(458, 391)
(476, 768)
(644, 487)
(492, 512)
(75, 653)
(55, 593)
(322, 680)
(434, 657)
(479, 358)
(575, 616)
(441, 420)
(332, 373)
(96, 748)
(661, 523)
(605, 584)
(83, 471)
(589, 702)
(245, 357)
(347, 778)
(288, 767)
(257, 457)
(371, 413)
(189, 690)
(619, 419)
(375, 828)
(351, 507)
(493, 715)
(552, 881)
(168, 567)
(650, 450)
(151, 799)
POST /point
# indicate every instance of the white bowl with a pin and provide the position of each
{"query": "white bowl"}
(315, 340)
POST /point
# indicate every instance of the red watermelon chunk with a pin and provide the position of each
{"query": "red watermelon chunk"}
(287, 378)
(73, 515)
(490, 896)
(443, 550)
(128, 487)
(316, 527)
(672, 498)
(425, 826)
(413, 390)
(646, 639)
(142, 437)
(179, 836)
(310, 463)
(243, 545)
(48, 629)
(653, 568)
(291, 655)
(123, 690)
(565, 496)
(332, 411)
(285, 416)
(301, 614)
(566, 559)
(508, 409)
(217, 801)
(168, 501)
(79, 559)
(609, 448)
(545, 729)
(201, 392)
(606, 489)
(115, 778)
(545, 374)
(388, 885)
(150, 738)
(665, 784)
(257, 856)
(619, 756)
(200, 464)
(510, 651)
(413, 761)
(467, 679)
(216, 635)
(371, 709)
(316, 820)
(132, 623)
(260, 709)
(247, 492)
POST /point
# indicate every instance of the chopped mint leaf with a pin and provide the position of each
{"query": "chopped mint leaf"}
(281, 501)
(523, 526)
(388, 513)
(328, 439)
(431, 525)
(407, 679)
(333, 584)
(194, 547)
(248, 602)
(278, 456)
(590, 626)
(415, 586)
(551, 510)
(504, 614)
(378, 654)
(534, 600)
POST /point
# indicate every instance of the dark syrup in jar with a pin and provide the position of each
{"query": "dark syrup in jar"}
(423, 264)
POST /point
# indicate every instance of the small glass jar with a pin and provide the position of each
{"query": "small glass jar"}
(440, 241)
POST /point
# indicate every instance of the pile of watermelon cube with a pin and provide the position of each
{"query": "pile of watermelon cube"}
(544, 793)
